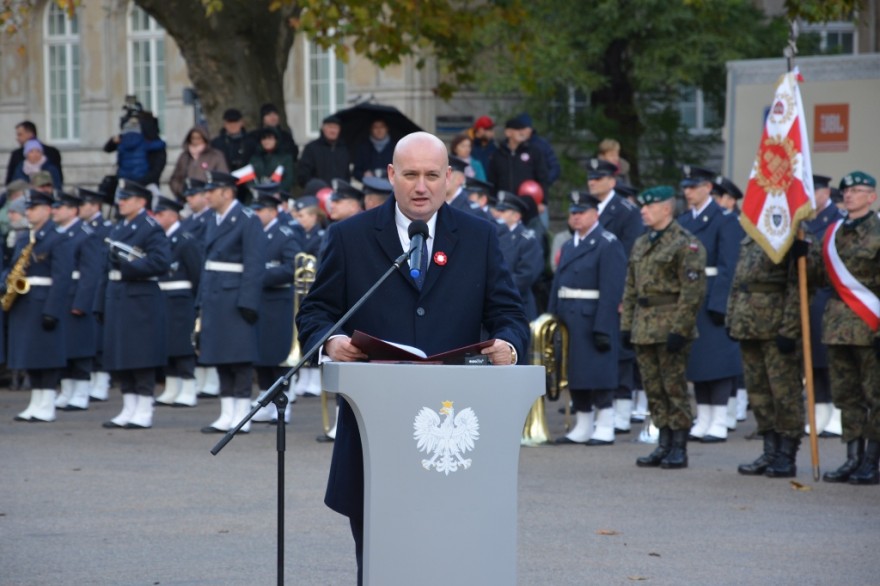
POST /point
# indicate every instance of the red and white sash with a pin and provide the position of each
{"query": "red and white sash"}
(859, 298)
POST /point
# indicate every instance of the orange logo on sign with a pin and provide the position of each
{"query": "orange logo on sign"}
(831, 128)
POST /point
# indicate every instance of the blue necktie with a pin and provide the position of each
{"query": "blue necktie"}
(423, 267)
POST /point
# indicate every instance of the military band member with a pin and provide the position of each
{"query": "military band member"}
(828, 423)
(620, 216)
(762, 314)
(133, 307)
(309, 233)
(180, 286)
(80, 326)
(586, 294)
(91, 213)
(206, 377)
(229, 298)
(850, 328)
(665, 286)
(37, 318)
(520, 248)
(275, 326)
(715, 362)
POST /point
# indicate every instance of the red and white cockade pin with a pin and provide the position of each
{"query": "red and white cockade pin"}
(440, 258)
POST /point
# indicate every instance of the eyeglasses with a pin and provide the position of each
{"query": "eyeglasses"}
(857, 190)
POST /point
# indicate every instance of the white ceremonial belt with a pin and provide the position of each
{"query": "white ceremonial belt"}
(569, 293)
(75, 275)
(224, 267)
(711, 271)
(272, 264)
(39, 281)
(116, 275)
(174, 285)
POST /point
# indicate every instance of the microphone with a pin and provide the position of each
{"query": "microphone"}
(418, 231)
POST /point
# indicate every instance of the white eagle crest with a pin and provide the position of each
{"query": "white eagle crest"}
(446, 442)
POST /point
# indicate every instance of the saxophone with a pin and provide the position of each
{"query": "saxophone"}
(16, 281)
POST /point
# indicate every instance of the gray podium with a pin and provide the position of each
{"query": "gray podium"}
(441, 454)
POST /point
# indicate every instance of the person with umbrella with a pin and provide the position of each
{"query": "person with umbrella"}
(373, 155)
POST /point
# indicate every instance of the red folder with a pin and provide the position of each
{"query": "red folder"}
(378, 350)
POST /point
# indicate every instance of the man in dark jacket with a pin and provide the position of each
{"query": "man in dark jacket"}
(554, 169)
(326, 158)
(236, 144)
(516, 160)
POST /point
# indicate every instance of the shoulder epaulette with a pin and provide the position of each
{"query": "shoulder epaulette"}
(528, 234)
(628, 204)
(151, 221)
(247, 211)
(285, 230)
(87, 229)
(608, 236)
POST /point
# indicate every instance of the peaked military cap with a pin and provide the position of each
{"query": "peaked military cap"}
(215, 179)
(581, 201)
(656, 194)
(475, 185)
(510, 201)
(128, 188)
(836, 196)
(378, 185)
(857, 178)
(598, 168)
(725, 186)
(307, 201)
(33, 198)
(457, 163)
(693, 176)
(92, 196)
(193, 186)
(63, 198)
(265, 199)
(343, 190)
(271, 188)
(821, 181)
(166, 203)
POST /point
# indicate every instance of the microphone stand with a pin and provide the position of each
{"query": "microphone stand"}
(276, 396)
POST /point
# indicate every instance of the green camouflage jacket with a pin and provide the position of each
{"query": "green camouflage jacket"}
(859, 249)
(764, 298)
(665, 285)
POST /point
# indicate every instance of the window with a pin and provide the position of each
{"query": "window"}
(834, 38)
(569, 108)
(325, 80)
(697, 114)
(146, 62)
(62, 74)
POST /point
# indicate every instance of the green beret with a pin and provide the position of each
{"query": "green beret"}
(857, 178)
(655, 194)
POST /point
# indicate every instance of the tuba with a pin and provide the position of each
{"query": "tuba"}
(550, 350)
(16, 281)
(304, 270)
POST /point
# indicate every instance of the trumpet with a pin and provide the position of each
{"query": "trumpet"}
(549, 340)
(304, 270)
(125, 251)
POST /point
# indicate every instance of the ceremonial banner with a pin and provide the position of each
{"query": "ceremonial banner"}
(780, 190)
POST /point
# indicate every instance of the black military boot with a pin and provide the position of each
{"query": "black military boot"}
(869, 470)
(663, 446)
(756, 468)
(783, 465)
(855, 451)
(678, 455)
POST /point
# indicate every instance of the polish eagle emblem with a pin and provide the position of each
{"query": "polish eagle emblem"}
(447, 441)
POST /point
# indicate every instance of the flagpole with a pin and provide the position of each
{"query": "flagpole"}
(790, 51)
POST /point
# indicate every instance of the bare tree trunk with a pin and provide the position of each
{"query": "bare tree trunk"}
(235, 58)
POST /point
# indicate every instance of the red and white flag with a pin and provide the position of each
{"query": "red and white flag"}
(245, 174)
(277, 174)
(780, 190)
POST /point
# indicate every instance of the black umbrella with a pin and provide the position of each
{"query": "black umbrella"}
(356, 122)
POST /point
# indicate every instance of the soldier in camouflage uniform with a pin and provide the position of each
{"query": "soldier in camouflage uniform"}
(665, 285)
(763, 314)
(853, 246)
